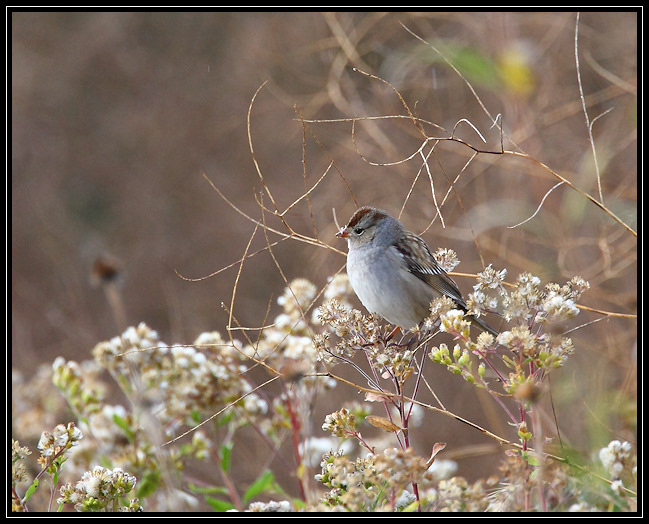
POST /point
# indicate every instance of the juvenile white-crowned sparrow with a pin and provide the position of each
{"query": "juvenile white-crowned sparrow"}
(393, 272)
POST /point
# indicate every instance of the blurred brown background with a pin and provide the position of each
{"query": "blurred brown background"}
(115, 116)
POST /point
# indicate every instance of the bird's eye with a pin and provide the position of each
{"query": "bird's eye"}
(359, 231)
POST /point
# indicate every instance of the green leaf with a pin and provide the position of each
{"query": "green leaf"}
(476, 66)
(219, 490)
(412, 507)
(124, 425)
(226, 455)
(218, 505)
(531, 459)
(195, 416)
(55, 477)
(225, 418)
(266, 481)
(31, 490)
(148, 484)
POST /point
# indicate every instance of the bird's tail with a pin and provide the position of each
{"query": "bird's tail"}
(482, 325)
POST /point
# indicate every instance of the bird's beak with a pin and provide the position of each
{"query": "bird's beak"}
(343, 233)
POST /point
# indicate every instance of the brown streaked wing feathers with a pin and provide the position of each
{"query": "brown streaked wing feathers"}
(427, 269)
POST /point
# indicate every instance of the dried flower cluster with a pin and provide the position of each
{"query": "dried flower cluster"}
(289, 339)
(18, 468)
(99, 490)
(377, 482)
(341, 423)
(175, 387)
(620, 464)
(62, 438)
(179, 382)
(352, 328)
(54, 447)
(383, 482)
(272, 506)
(530, 308)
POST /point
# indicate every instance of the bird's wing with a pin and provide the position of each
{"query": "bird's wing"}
(422, 264)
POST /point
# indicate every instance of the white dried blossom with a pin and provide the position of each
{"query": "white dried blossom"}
(97, 488)
(101, 425)
(478, 300)
(557, 305)
(404, 500)
(519, 339)
(443, 468)
(139, 345)
(490, 278)
(62, 437)
(338, 287)
(313, 448)
(298, 348)
(255, 405)
(271, 506)
(615, 457)
(453, 321)
(521, 304)
(446, 258)
(297, 296)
